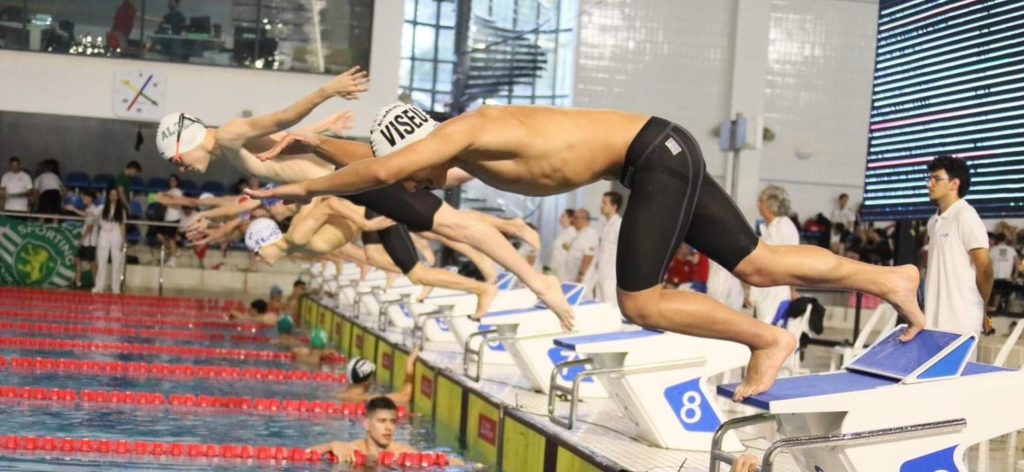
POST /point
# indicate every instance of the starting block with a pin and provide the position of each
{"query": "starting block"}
(908, 407)
(527, 335)
(658, 380)
(432, 320)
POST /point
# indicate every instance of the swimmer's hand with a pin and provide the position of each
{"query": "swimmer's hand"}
(349, 84)
(292, 144)
(744, 463)
(377, 223)
(337, 124)
(342, 452)
(291, 192)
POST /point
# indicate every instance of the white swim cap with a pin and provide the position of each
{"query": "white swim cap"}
(262, 232)
(192, 134)
(397, 126)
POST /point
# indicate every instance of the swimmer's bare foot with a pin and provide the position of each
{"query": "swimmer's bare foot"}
(391, 278)
(552, 296)
(765, 364)
(527, 234)
(902, 295)
(424, 294)
(483, 301)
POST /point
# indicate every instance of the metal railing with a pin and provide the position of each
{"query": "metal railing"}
(719, 456)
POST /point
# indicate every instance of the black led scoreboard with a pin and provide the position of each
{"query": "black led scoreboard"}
(949, 79)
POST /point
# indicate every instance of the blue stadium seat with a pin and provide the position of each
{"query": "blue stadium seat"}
(77, 181)
(102, 181)
(135, 210)
(75, 200)
(157, 184)
(214, 187)
(137, 184)
(189, 188)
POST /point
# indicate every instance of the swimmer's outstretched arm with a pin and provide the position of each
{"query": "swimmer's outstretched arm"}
(228, 211)
(439, 148)
(347, 85)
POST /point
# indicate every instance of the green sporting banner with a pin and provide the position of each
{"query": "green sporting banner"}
(35, 254)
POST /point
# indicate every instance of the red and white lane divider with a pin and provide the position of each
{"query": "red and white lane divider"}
(134, 310)
(166, 371)
(46, 344)
(131, 320)
(135, 450)
(143, 399)
(74, 329)
(167, 301)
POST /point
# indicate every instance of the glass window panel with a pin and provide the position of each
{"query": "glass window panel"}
(446, 44)
(447, 10)
(421, 99)
(442, 102)
(423, 75)
(426, 11)
(404, 72)
(410, 10)
(445, 71)
(424, 47)
(407, 40)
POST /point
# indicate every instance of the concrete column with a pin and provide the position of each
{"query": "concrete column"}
(749, 71)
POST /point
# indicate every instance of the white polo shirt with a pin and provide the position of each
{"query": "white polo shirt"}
(952, 301)
(1003, 257)
(585, 244)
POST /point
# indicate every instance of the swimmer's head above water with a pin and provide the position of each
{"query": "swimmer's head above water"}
(185, 140)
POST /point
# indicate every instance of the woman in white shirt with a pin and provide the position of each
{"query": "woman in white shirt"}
(49, 188)
(561, 247)
(168, 235)
(773, 205)
(110, 243)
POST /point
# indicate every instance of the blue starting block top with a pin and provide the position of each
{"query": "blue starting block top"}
(931, 355)
(805, 386)
(572, 342)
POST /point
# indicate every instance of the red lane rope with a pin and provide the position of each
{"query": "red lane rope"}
(150, 449)
(166, 371)
(130, 320)
(143, 399)
(121, 331)
(45, 344)
(184, 302)
(107, 308)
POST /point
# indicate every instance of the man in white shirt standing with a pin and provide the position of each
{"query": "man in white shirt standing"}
(1005, 262)
(560, 248)
(604, 273)
(17, 184)
(583, 247)
(843, 214)
(959, 275)
(774, 206)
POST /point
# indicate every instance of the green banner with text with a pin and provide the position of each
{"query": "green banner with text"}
(35, 254)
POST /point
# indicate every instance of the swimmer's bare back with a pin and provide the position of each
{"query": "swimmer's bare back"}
(536, 150)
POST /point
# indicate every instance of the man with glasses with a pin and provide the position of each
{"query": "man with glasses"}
(959, 276)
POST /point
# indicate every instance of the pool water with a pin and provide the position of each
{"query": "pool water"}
(165, 423)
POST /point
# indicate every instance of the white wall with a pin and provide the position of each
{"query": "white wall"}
(817, 100)
(83, 86)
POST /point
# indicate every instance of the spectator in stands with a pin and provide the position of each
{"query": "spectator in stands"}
(774, 206)
(958, 281)
(124, 180)
(174, 20)
(124, 22)
(16, 185)
(842, 213)
(688, 269)
(111, 241)
(90, 234)
(838, 238)
(583, 247)
(168, 235)
(1005, 264)
(561, 246)
(49, 188)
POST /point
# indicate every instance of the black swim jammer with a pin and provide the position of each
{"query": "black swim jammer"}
(673, 199)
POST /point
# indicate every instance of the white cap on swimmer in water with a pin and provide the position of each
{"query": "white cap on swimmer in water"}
(398, 125)
(169, 142)
(262, 232)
